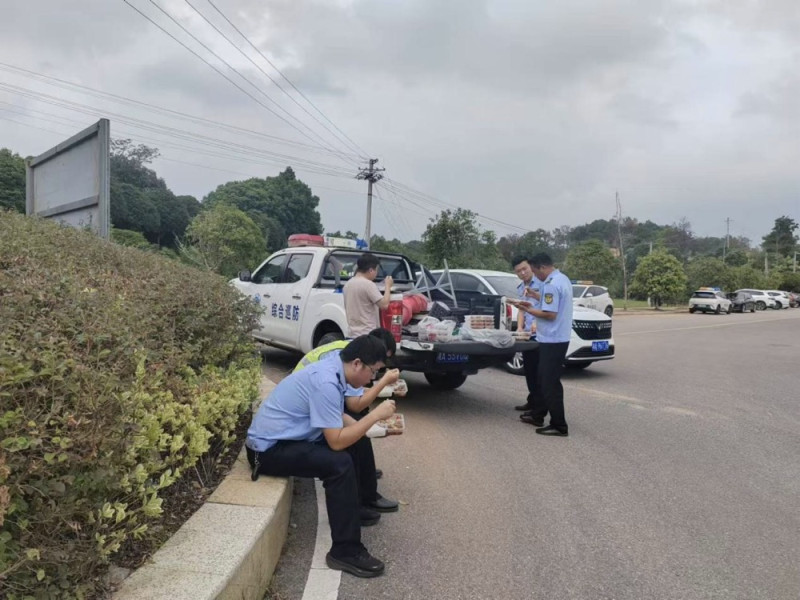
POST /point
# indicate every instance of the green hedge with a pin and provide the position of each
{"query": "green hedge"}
(118, 368)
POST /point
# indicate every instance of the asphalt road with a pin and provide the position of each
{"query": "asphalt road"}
(680, 478)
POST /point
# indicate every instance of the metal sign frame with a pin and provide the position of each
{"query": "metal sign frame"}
(101, 200)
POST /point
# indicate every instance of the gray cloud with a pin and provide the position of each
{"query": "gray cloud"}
(533, 113)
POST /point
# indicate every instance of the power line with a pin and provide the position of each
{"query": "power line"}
(231, 81)
(363, 152)
(69, 85)
(179, 133)
(267, 75)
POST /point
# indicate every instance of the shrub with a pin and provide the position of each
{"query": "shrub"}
(118, 368)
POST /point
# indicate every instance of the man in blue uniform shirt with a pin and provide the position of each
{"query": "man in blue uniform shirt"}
(525, 321)
(553, 312)
(301, 430)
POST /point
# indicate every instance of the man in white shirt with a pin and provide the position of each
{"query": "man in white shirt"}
(362, 299)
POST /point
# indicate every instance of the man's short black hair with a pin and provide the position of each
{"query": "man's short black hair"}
(367, 348)
(387, 338)
(542, 259)
(366, 262)
(519, 258)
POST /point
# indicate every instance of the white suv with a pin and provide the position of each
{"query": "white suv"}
(762, 299)
(709, 300)
(589, 342)
(584, 293)
(782, 299)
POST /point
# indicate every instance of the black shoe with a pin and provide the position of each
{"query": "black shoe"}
(369, 516)
(361, 565)
(528, 418)
(382, 504)
(378, 473)
(552, 430)
(525, 406)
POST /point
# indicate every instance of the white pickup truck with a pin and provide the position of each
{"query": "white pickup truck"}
(300, 290)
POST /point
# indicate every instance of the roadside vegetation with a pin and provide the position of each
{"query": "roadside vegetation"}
(124, 375)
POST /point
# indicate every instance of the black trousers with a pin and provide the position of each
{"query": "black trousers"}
(547, 364)
(338, 475)
(530, 365)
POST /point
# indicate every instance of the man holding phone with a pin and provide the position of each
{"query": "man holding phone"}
(526, 322)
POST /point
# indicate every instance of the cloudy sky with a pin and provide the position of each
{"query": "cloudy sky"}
(532, 114)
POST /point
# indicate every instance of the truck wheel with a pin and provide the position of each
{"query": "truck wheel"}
(333, 336)
(445, 381)
(515, 365)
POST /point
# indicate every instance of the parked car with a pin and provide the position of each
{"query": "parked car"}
(742, 302)
(782, 299)
(709, 300)
(590, 340)
(763, 300)
(585, 293)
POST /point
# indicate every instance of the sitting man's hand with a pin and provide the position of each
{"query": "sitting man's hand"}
(385, 410)
(390, 377)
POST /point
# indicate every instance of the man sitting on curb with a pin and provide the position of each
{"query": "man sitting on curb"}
(356, 401)
(300, 430)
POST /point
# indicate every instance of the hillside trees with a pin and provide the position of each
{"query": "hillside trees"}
(12, 181)
(592, 260)
(280, 205)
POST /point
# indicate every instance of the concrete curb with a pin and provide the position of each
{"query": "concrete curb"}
(228, 549)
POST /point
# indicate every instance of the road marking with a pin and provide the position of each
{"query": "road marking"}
(616, 335)
(322, 582)
(632, 402)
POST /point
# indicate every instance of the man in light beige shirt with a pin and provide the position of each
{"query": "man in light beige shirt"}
(362, 299)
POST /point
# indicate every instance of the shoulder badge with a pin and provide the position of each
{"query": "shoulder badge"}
(548, 298)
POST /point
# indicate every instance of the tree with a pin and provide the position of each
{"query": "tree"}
(660, 277)
(782, 240)
(592, 260)
(285, 199)
(453, 236)
(709, 271)
(12, 181)
(224, 239)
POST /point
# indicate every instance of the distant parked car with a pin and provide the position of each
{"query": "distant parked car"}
(709, 300)
(762, 298)
(782, 299)
(742, 302)
(585, 293)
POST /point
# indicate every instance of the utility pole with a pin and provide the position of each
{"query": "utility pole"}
(794, 263)
(372, 175)
(727, 235)
(622, 253)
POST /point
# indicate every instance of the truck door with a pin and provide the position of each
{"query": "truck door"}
(262, 288)
(284, 311)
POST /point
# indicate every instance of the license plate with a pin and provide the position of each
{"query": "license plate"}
(449, 357)
(600, 346)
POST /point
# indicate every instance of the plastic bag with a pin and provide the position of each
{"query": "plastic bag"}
(443, 331)
(425, 327)
(499, 338)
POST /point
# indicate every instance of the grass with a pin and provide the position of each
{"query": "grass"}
(619, 305)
